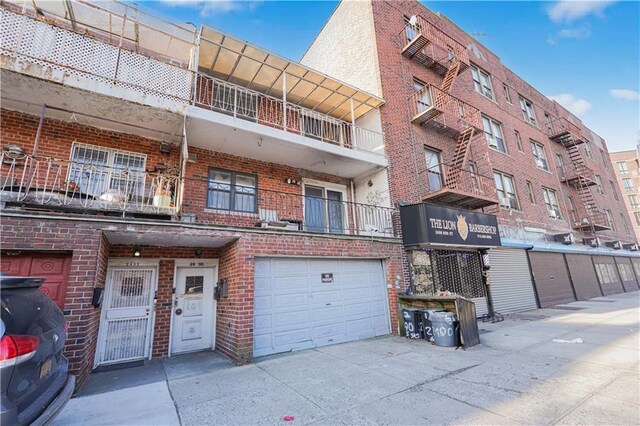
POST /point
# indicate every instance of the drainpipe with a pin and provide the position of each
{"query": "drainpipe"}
(39, 132)
(356, 228)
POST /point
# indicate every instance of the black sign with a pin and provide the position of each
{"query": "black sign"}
(630, 247)
(564, 238)
(424, 224)
(592, 242)
(616, 245)
(326, 277)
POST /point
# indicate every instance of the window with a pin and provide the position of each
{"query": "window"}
(626, 273)
(551, 201)
(572, 209)
(622, 167)
(538, 154)
(605, 161)
(518, 140)
(324, 209)
(232, 191)
(493, 134)
(98, 172)
(624, 222)
(613, 190)
(472, 167)
(606, 273)
(528, 113)
(587, 150)
(507, 94)
(627, 184)
(634, 201)
(482, 81)
(424, 99)
(532, 195)
(610, 221)
(434, 169)
(547, 122)
(506, 190)
(599, 184)
(637, 215)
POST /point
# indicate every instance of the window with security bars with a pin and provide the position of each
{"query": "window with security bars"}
(459, 272)
(96, 171)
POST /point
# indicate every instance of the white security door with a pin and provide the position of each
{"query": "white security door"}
(194, 310)
(127, 312)
(305, 303)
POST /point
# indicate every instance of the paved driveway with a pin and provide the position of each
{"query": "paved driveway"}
(518, 375)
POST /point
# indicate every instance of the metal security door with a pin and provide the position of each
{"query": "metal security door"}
(126, 326)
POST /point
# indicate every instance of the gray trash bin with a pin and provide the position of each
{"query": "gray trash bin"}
(445, 329)
(412, 324)
(427, 328)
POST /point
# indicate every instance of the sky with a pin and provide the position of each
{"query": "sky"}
(585, 55)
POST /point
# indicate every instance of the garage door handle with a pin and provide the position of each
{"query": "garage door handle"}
(328, 304)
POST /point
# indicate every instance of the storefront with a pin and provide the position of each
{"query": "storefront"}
(445, 248)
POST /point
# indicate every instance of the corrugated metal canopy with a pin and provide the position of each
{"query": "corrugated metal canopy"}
(239, 62)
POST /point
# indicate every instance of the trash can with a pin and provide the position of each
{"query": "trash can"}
(445, 329)
(412, 324)
(427, 328)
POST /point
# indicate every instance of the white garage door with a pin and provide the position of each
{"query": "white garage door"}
(510, 281)
(305, 303)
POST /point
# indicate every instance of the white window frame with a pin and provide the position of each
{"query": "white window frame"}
(482, 82)
(507, 93)
(609, 216)
(550, 197)
(613, 190)
(494, 128)
(330, 187)
(539, 155)
(512, 196)
(628, 188)
(622, 167)
(605, 163)
(528, 111)
(532, 195)
(634, 201)
(518, 138)
(599, 184)
(637, 216)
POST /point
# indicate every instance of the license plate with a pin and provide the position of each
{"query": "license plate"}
(45, 368)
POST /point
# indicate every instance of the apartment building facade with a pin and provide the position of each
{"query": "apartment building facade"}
(181, 189)
(627, 167)
(482, 148)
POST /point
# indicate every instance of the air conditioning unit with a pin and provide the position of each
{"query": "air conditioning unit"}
(492, 142)
(505, 202)
(540, 163)
(554, 214)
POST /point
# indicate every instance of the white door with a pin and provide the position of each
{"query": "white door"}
(305, 303)
(194, 310)
(127, 312)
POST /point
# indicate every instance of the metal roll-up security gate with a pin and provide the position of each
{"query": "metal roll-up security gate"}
(583, 276)
(551, 278)
(608, 275)
(625, 269)
(510, 281)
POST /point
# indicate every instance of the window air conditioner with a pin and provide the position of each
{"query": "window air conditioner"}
(553, 213)
(540, 163)
(492, 142)
(505, 202)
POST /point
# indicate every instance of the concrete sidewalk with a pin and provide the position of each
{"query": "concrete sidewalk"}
(519, 374)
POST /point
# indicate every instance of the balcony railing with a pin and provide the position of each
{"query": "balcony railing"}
(30, 42)
(443, 111)
(455, 186)
(52, 183)
(240, 102)
(580, 174)
(426, 44)
(563, 131)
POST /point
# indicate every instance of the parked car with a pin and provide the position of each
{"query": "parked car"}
(34, 376)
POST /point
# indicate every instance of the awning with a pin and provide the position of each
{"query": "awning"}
(228, 58)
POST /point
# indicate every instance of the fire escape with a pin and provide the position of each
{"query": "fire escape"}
(455, 184)
(578, 175)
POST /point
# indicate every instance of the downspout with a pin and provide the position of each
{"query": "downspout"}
(39, 132)
(184, 158)
(194, 66)
(356, 228)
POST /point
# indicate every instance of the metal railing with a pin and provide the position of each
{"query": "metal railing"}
(454, 178)
(419, 27)
(221, 96)
(456, 113)
(41, 181)
(561, 126)
(31, 42)
(577, 171)
(245, 206)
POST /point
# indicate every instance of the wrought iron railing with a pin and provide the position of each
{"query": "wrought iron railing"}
(418, 27)
(444, 107)
(577, 171)
(454, 178)
(41, 181)
(222, 96)
(34, 42)
(562, 126)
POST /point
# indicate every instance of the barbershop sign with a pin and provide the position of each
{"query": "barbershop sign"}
(424, 224)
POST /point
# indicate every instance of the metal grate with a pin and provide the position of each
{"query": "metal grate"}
(126, 340)
(459, 272)
(130, 288)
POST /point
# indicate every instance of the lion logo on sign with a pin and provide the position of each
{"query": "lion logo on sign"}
(463, 228)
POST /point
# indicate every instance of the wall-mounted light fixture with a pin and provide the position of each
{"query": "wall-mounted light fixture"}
(165, 148)
(137, 252)
(198, 253)
(293, 181)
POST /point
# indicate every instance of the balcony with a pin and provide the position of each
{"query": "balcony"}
(457, 187)
(443, 112)
(592, 220)
(579, 175)
(564, 132)
(424, 43)
(41, 183)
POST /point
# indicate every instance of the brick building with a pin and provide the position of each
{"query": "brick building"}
(463, 131)
(627, 167)
(181, 190)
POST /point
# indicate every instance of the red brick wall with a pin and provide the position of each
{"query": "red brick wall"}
(405, 142)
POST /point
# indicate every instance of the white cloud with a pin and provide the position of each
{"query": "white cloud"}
(210, 7)
(572, 10)
(579, 33)
(626, 94)
(573, 104)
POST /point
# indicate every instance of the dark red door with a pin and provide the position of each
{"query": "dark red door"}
(53, 267)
